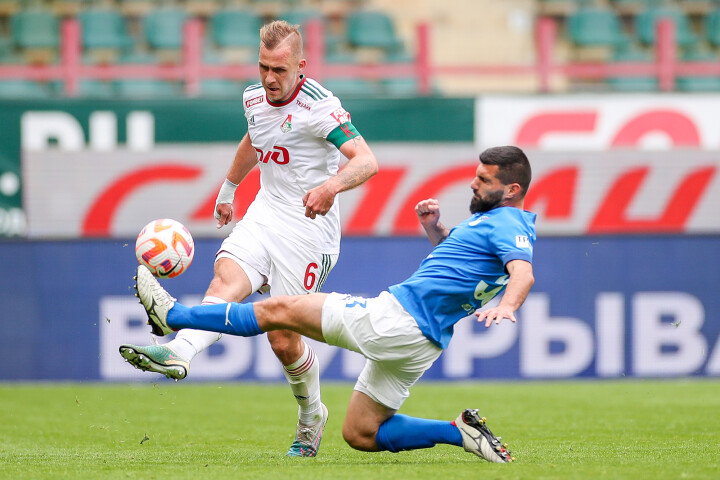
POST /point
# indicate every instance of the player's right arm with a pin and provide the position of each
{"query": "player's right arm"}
(428, 212)
(244, 161)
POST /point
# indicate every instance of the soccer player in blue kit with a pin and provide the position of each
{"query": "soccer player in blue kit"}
(405, 329)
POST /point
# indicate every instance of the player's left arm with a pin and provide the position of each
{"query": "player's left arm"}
(360, 167)
(519, 285)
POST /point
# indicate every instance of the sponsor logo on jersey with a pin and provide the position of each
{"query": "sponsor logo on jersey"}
(254, 101)
(251, 121)
(303, 105)
(286, 125)
(521, 241)
(341, 116)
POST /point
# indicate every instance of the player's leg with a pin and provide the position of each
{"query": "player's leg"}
(397, 358)
(299, 274)
(172, 359)
(241, 267)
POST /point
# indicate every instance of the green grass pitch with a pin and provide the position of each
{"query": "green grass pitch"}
(557, 430)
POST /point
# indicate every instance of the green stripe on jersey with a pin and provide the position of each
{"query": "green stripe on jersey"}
(342, 134)
(252, 87)
(313, 90)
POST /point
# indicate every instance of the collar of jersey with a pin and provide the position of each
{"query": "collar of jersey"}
(295, 93)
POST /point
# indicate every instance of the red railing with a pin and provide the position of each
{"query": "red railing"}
(191, 69)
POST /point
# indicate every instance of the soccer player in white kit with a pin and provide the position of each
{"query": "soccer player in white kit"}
(289, 238)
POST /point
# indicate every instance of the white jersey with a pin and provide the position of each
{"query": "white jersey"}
(297, 145)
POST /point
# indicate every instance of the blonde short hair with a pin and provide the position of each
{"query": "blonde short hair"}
(274, 33)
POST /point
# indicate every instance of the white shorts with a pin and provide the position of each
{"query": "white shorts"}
(383, 331)
(268, 257)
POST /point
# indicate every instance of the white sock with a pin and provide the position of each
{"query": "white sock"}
(304, 379)
(188, 342)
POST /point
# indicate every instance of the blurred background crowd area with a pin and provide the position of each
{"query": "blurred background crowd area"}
(475, 46)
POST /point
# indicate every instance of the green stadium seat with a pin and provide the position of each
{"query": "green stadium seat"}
(163, 28)
(35, 29)
(371, 29)
(235, 28)
(104, 28)
(23, 89)
(712, 27)
(596, 27)
(634, 83)
(646, 26)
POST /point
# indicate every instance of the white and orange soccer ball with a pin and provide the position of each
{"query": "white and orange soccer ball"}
(166, 247)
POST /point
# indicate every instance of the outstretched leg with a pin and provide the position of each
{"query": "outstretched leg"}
(369, 426)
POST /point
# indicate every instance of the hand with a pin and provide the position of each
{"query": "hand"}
(223, 214)
(428, 212)
(495, 314)
(318, 201)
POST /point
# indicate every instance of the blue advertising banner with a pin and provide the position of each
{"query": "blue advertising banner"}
(601, 307)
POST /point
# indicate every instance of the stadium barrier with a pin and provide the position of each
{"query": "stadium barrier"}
(191, 69)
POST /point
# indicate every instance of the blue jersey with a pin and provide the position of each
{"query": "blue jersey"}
(466, 270)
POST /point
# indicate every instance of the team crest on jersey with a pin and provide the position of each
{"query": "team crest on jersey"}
(286, 125)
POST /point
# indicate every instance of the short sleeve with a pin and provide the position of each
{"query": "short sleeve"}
(331, 121)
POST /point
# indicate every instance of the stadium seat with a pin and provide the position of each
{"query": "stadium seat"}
(711, 29)
(35, 33)
(235, 28)
(646, 26)
(372, 29)
(35, 29)
(12, 89)
(632, 83)
(163, 28)
(596, 27)
(104, 28)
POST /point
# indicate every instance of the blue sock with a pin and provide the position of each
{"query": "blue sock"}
(232, 318)
(401, 432)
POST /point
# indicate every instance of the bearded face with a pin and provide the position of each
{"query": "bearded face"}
(484, 203)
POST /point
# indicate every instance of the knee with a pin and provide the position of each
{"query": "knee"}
(363, 440)
(286, 345)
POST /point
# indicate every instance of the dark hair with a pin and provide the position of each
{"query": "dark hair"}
(513, 165)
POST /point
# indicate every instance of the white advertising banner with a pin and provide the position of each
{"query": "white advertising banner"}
(113, 194)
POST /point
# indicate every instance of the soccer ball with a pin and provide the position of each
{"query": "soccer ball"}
(166, 247)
